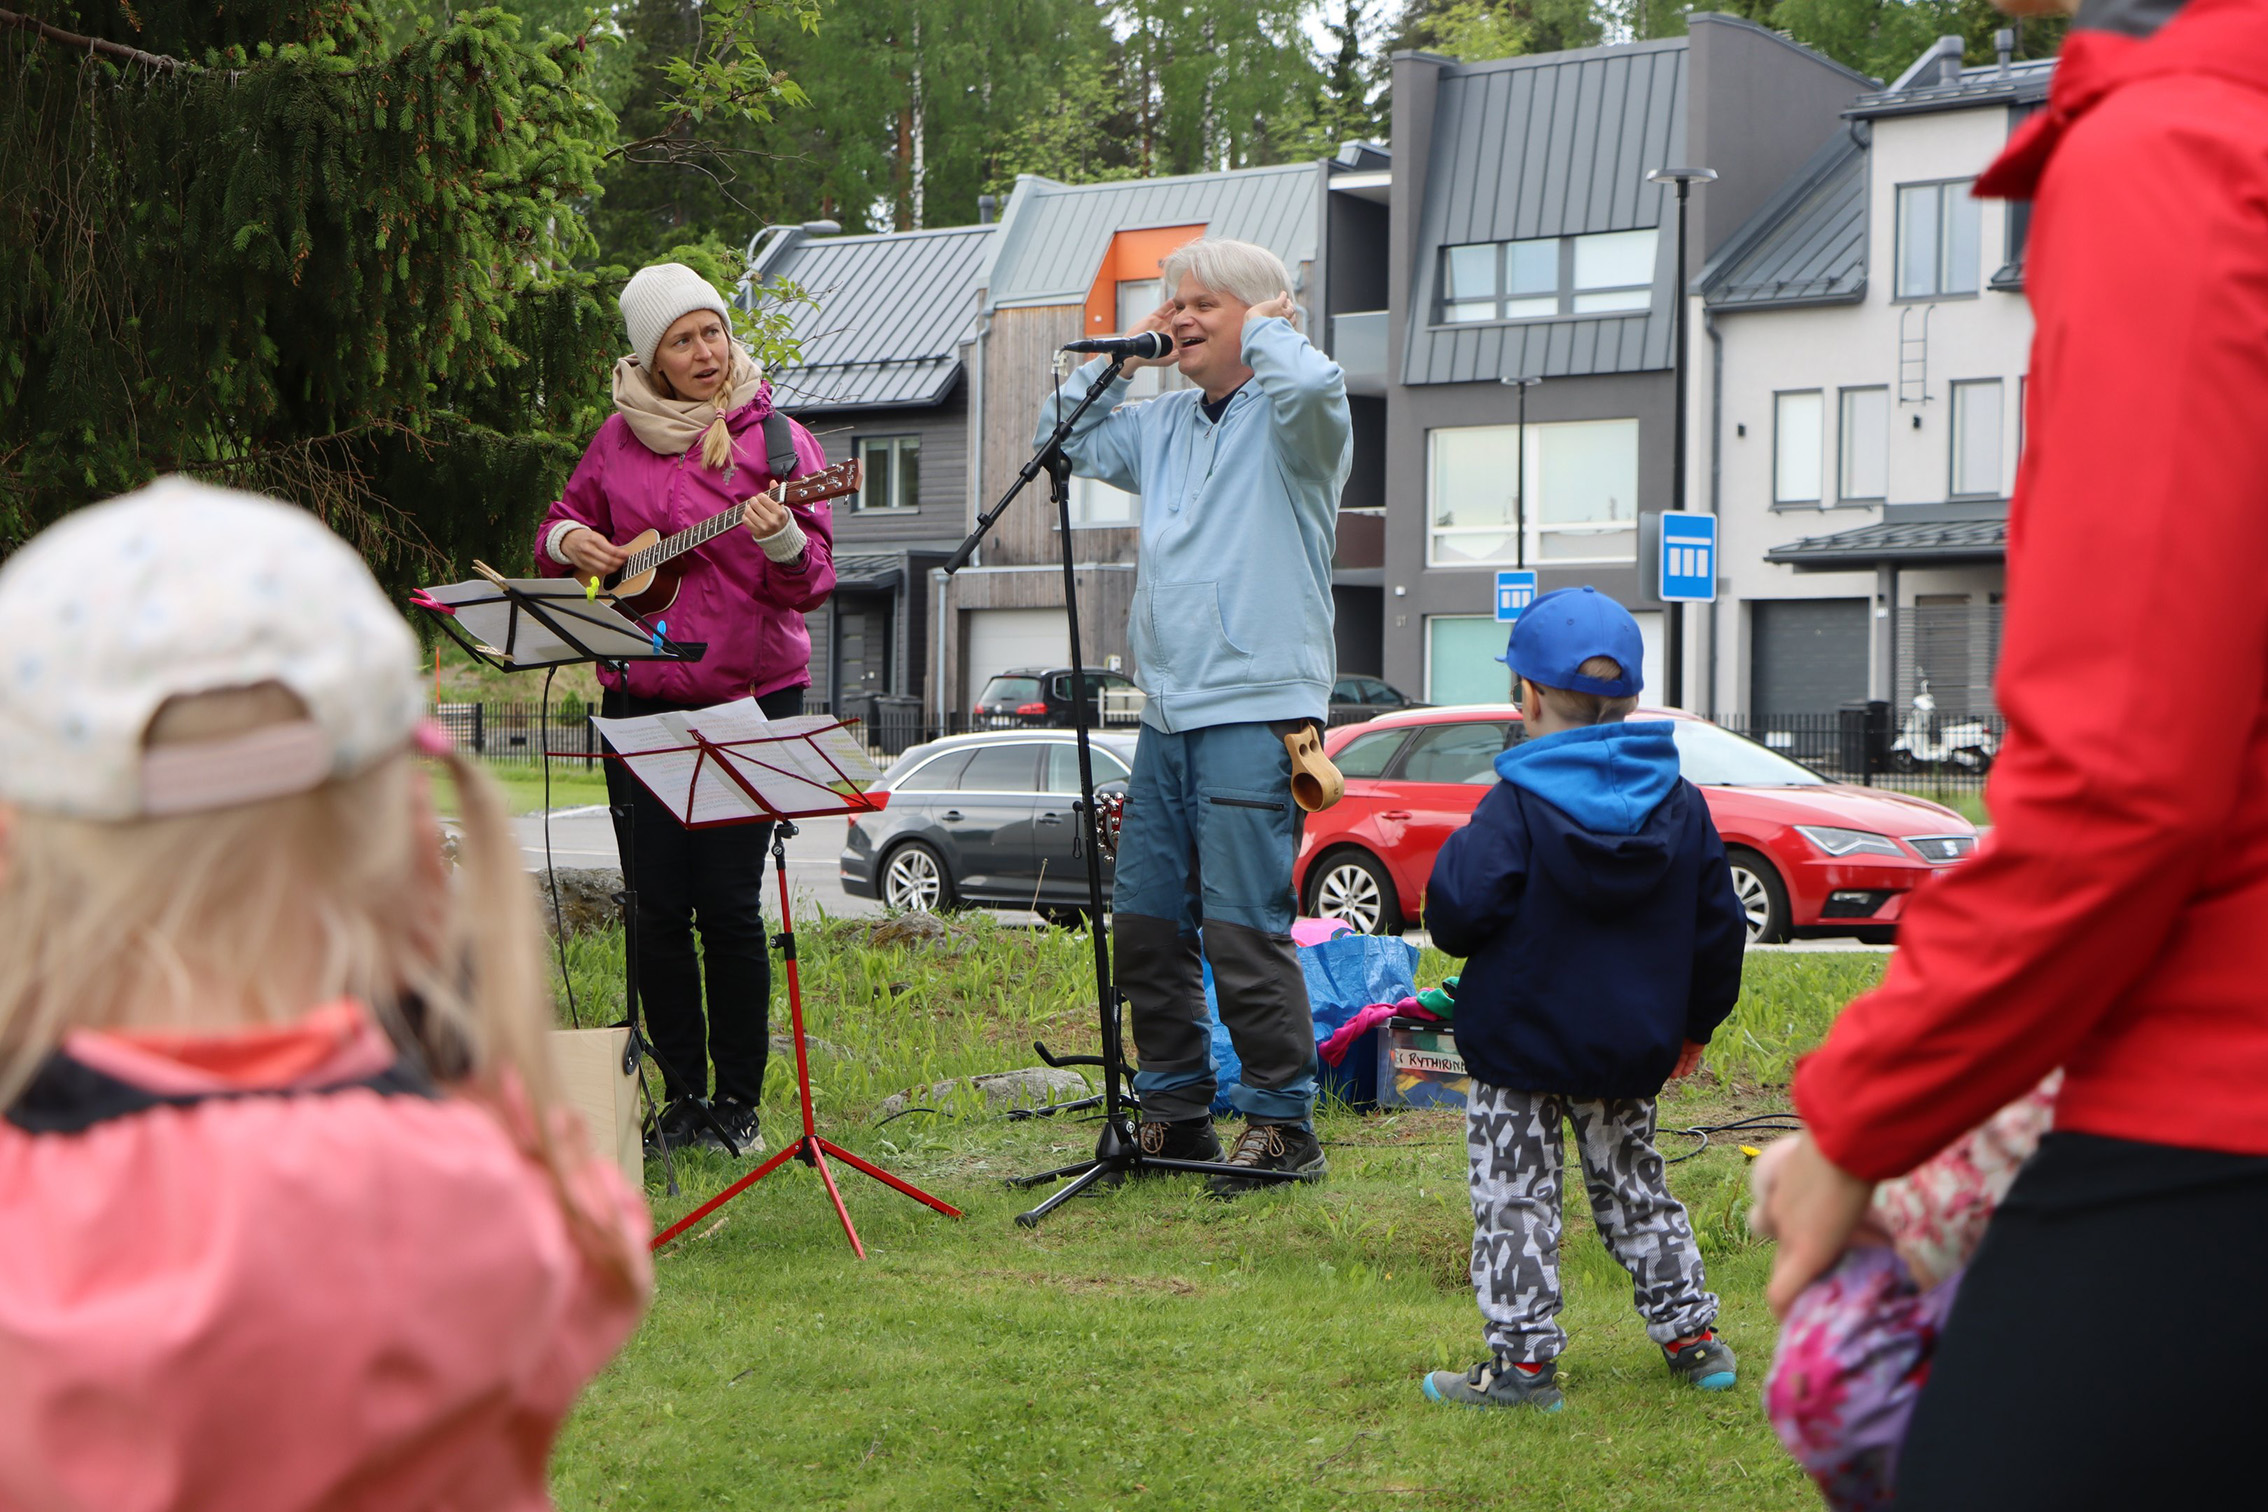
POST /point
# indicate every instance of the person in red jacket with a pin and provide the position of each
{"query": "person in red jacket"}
(2115, 922)
(687, 441)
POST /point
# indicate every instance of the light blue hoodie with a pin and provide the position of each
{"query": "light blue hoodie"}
(1231, 619)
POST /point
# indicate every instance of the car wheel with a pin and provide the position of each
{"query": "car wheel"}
(914, 880)
(1763, 897)
(1902, 760)
(1353, 885)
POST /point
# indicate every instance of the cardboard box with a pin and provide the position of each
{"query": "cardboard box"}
(590, 1070)
(1419, 1067)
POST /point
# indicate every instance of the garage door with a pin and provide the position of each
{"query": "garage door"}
(1808, 656)
(1004, 638)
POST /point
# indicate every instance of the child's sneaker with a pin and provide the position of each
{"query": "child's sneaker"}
(1493, 1383)
(1705, 1362)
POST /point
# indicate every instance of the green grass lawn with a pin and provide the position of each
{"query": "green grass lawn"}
(571, 787)
(1150, 1347)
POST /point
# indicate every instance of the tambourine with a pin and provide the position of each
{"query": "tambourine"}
(1110, 818)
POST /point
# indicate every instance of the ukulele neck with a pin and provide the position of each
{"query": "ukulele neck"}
(685, 540)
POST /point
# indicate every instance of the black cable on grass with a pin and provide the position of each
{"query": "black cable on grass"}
(902, 1112)
(551, 867)
(1760, 1123)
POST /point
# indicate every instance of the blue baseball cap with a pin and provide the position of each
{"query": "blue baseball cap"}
(1565, 628)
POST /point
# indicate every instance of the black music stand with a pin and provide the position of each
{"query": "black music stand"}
(536, 624)
(1117, 1150)
(728, 765)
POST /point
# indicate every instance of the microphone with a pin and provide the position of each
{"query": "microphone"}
(1147, 344)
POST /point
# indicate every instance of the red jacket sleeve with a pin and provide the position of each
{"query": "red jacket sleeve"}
(803, 585)
(584, 501)
(2136, 641)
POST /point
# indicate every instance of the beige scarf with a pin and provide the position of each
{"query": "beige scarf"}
(669, 427)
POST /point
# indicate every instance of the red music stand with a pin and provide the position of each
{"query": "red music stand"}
(729, 765)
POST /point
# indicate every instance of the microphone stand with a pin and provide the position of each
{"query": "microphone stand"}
(1117, 1150)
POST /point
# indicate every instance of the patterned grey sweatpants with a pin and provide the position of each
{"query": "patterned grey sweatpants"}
(1513, 1139)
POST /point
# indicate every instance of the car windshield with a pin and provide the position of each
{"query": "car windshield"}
(1006, 692)
(1712, 756)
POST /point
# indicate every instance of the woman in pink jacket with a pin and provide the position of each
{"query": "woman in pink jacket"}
(687, 442)
(292, 1213)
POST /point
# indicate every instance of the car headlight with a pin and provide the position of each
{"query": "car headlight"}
(1848, 842)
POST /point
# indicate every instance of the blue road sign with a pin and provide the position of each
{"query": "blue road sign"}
(1515, 591)
(1687, 572)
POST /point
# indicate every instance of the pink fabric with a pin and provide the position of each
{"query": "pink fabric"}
(340, 1301)
(748, 608)
(1334, 1049)
(1305, 932)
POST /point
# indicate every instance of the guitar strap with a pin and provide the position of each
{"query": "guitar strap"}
(779, 446)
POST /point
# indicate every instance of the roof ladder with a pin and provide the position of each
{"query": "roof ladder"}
(1913, 355)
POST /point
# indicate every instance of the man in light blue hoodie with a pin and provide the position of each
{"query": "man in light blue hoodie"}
(1239, 476)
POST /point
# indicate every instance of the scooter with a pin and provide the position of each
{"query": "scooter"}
(1965, 743)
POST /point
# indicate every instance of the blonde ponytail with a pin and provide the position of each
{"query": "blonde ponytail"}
(716, 443)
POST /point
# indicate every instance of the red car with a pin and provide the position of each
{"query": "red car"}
(1808, 855)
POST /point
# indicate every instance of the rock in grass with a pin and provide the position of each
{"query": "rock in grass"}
(908, 929)
(1029, 1087)
(586, 898)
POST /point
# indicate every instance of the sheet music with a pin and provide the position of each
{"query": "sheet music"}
(519, 636)
(798, 767)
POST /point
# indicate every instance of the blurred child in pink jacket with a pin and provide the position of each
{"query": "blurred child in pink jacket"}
(291, 1213)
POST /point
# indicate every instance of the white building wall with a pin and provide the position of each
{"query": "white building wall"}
(1828, 348)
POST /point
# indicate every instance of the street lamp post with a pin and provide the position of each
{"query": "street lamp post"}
(1673, 651)
(1521, 386)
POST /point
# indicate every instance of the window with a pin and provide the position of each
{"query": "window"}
(1002, 769)
(1939, 232)
(1976, 437)
(892, 468)
(1063, 767)
(1367, 755)
(1460, 659)
(1549, 276)
(935, 776)
(1456, 753)
(1797, 421)
(1094, 502)
(1864, 449)
(1582, 475)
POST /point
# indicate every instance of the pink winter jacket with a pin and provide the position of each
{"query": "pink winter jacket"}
(747, 607)
(277, 1273)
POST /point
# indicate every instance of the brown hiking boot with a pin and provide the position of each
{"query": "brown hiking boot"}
(1271, 1147)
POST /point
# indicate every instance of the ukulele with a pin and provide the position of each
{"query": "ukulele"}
(647, 584)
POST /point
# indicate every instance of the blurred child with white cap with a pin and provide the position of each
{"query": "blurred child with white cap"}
(291, 1212)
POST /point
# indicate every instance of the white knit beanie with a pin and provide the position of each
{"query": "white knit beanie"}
(657, 297)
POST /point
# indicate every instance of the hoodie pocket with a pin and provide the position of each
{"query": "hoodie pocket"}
(1189, 646)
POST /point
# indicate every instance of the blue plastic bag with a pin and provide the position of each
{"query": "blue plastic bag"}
(1344, 976)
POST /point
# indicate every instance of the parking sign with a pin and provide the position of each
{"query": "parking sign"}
(1687, 569)
(1515, 591)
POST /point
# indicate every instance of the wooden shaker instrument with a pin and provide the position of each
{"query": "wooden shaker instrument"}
(1315, 782)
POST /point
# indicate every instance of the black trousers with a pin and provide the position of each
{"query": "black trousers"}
(2110, 1340)
(709, 880)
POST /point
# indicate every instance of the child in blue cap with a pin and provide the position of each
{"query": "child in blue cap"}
(1591, 897)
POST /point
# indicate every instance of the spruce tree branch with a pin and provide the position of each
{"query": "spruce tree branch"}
(56, 34)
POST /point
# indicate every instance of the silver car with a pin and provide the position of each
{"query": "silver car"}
(984, 819)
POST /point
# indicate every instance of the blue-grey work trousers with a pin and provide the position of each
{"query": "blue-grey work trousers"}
(1209, 835)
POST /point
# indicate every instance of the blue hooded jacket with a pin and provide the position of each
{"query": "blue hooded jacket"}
(1591, 897)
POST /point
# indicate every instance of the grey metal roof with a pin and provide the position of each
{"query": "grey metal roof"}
(893, 311)
(1557, 145)
(869, 569)
(1933, 542)
(1805, 245)
(2023, 83)
(1053, 236)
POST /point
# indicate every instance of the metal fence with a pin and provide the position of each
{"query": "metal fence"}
(1916, 752)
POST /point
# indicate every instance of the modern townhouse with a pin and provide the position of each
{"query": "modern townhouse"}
(1527, 242)
(1858, 405)
(884, 379)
